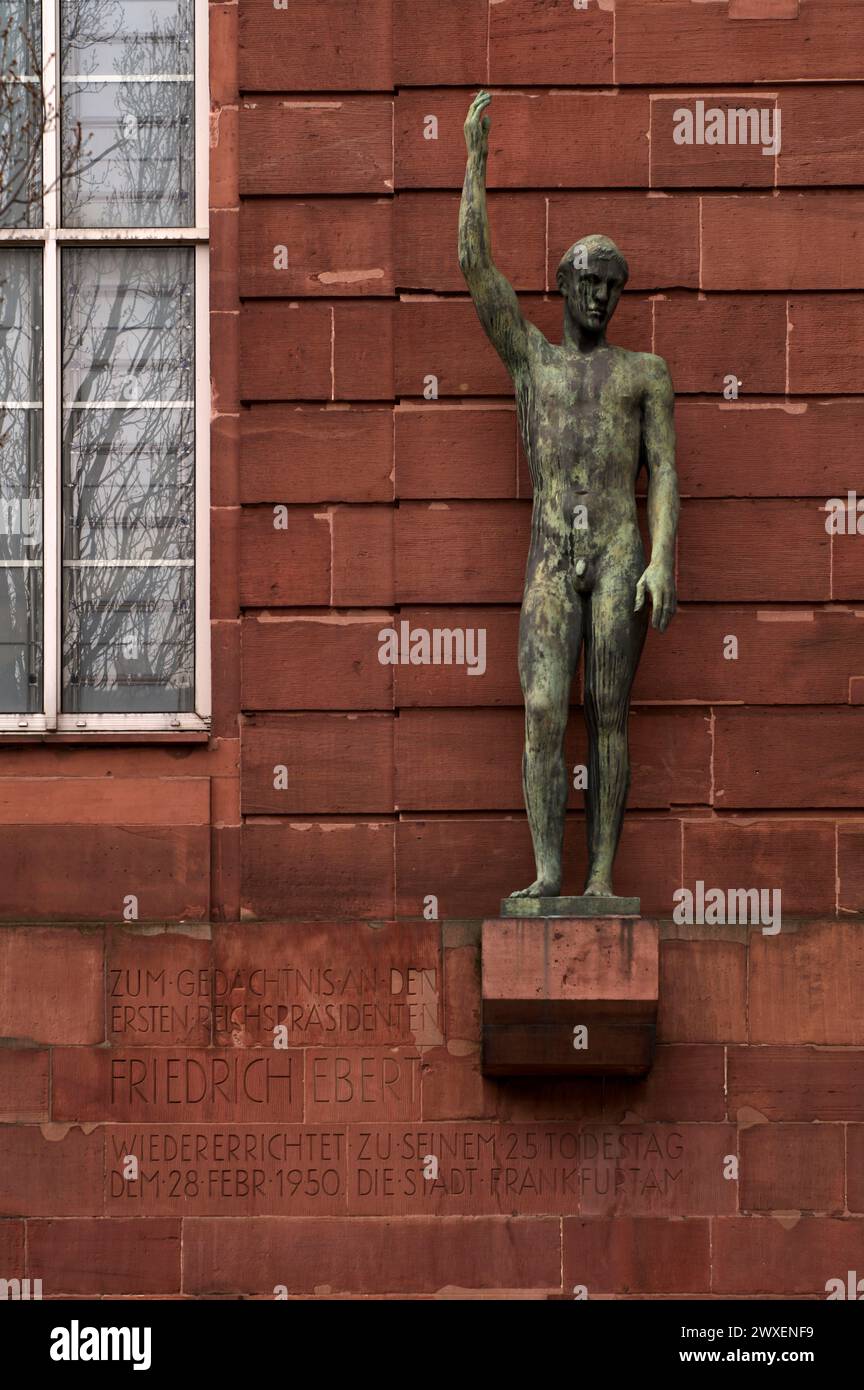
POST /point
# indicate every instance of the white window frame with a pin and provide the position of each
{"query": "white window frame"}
(51, 236)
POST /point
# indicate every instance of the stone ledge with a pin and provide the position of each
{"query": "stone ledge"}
(574, 907)
(569, 996)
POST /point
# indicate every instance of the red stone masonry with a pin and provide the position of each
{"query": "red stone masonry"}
(358, 818)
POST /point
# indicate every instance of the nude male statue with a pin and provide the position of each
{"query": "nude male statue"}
(590, 414)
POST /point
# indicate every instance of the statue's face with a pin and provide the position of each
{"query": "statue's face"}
(592, 293)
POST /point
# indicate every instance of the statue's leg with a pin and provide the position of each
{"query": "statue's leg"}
(549, 637)
(614, 637)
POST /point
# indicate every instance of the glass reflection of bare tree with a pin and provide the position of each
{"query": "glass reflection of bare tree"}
(128, 475)
(29, 101)
(20, 482)
(23, 116)
(129, 472)
(127, 160)
(136, 168)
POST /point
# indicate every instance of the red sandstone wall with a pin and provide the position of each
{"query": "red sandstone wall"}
(621, 1188)
(404, 782)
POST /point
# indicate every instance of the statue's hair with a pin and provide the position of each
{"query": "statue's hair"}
(598, 248)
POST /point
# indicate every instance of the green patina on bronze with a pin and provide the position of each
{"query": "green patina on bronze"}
(591, 414)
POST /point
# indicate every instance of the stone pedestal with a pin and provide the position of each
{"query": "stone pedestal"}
(568, 996)
(570, 907)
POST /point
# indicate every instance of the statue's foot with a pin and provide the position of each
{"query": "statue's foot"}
(540, 888)
(598, 888)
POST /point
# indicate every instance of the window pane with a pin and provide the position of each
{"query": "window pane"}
(128, 113)
(128, 641)
(20, 481)
(128, 479)
(21, 114)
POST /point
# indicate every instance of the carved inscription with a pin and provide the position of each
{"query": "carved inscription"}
(316, 1004)
(394, 1169)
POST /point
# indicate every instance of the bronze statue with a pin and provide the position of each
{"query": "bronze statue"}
(590, 414)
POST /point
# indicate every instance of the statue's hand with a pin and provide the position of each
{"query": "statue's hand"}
(659, 581)
(477, 125)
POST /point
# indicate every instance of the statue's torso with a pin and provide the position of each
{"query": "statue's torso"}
(581, 421)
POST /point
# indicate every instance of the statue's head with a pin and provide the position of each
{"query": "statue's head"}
(591, 276)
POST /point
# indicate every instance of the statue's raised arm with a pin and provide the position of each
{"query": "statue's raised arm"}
(494, 297)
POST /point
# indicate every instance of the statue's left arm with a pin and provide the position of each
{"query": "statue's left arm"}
(658, 438)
